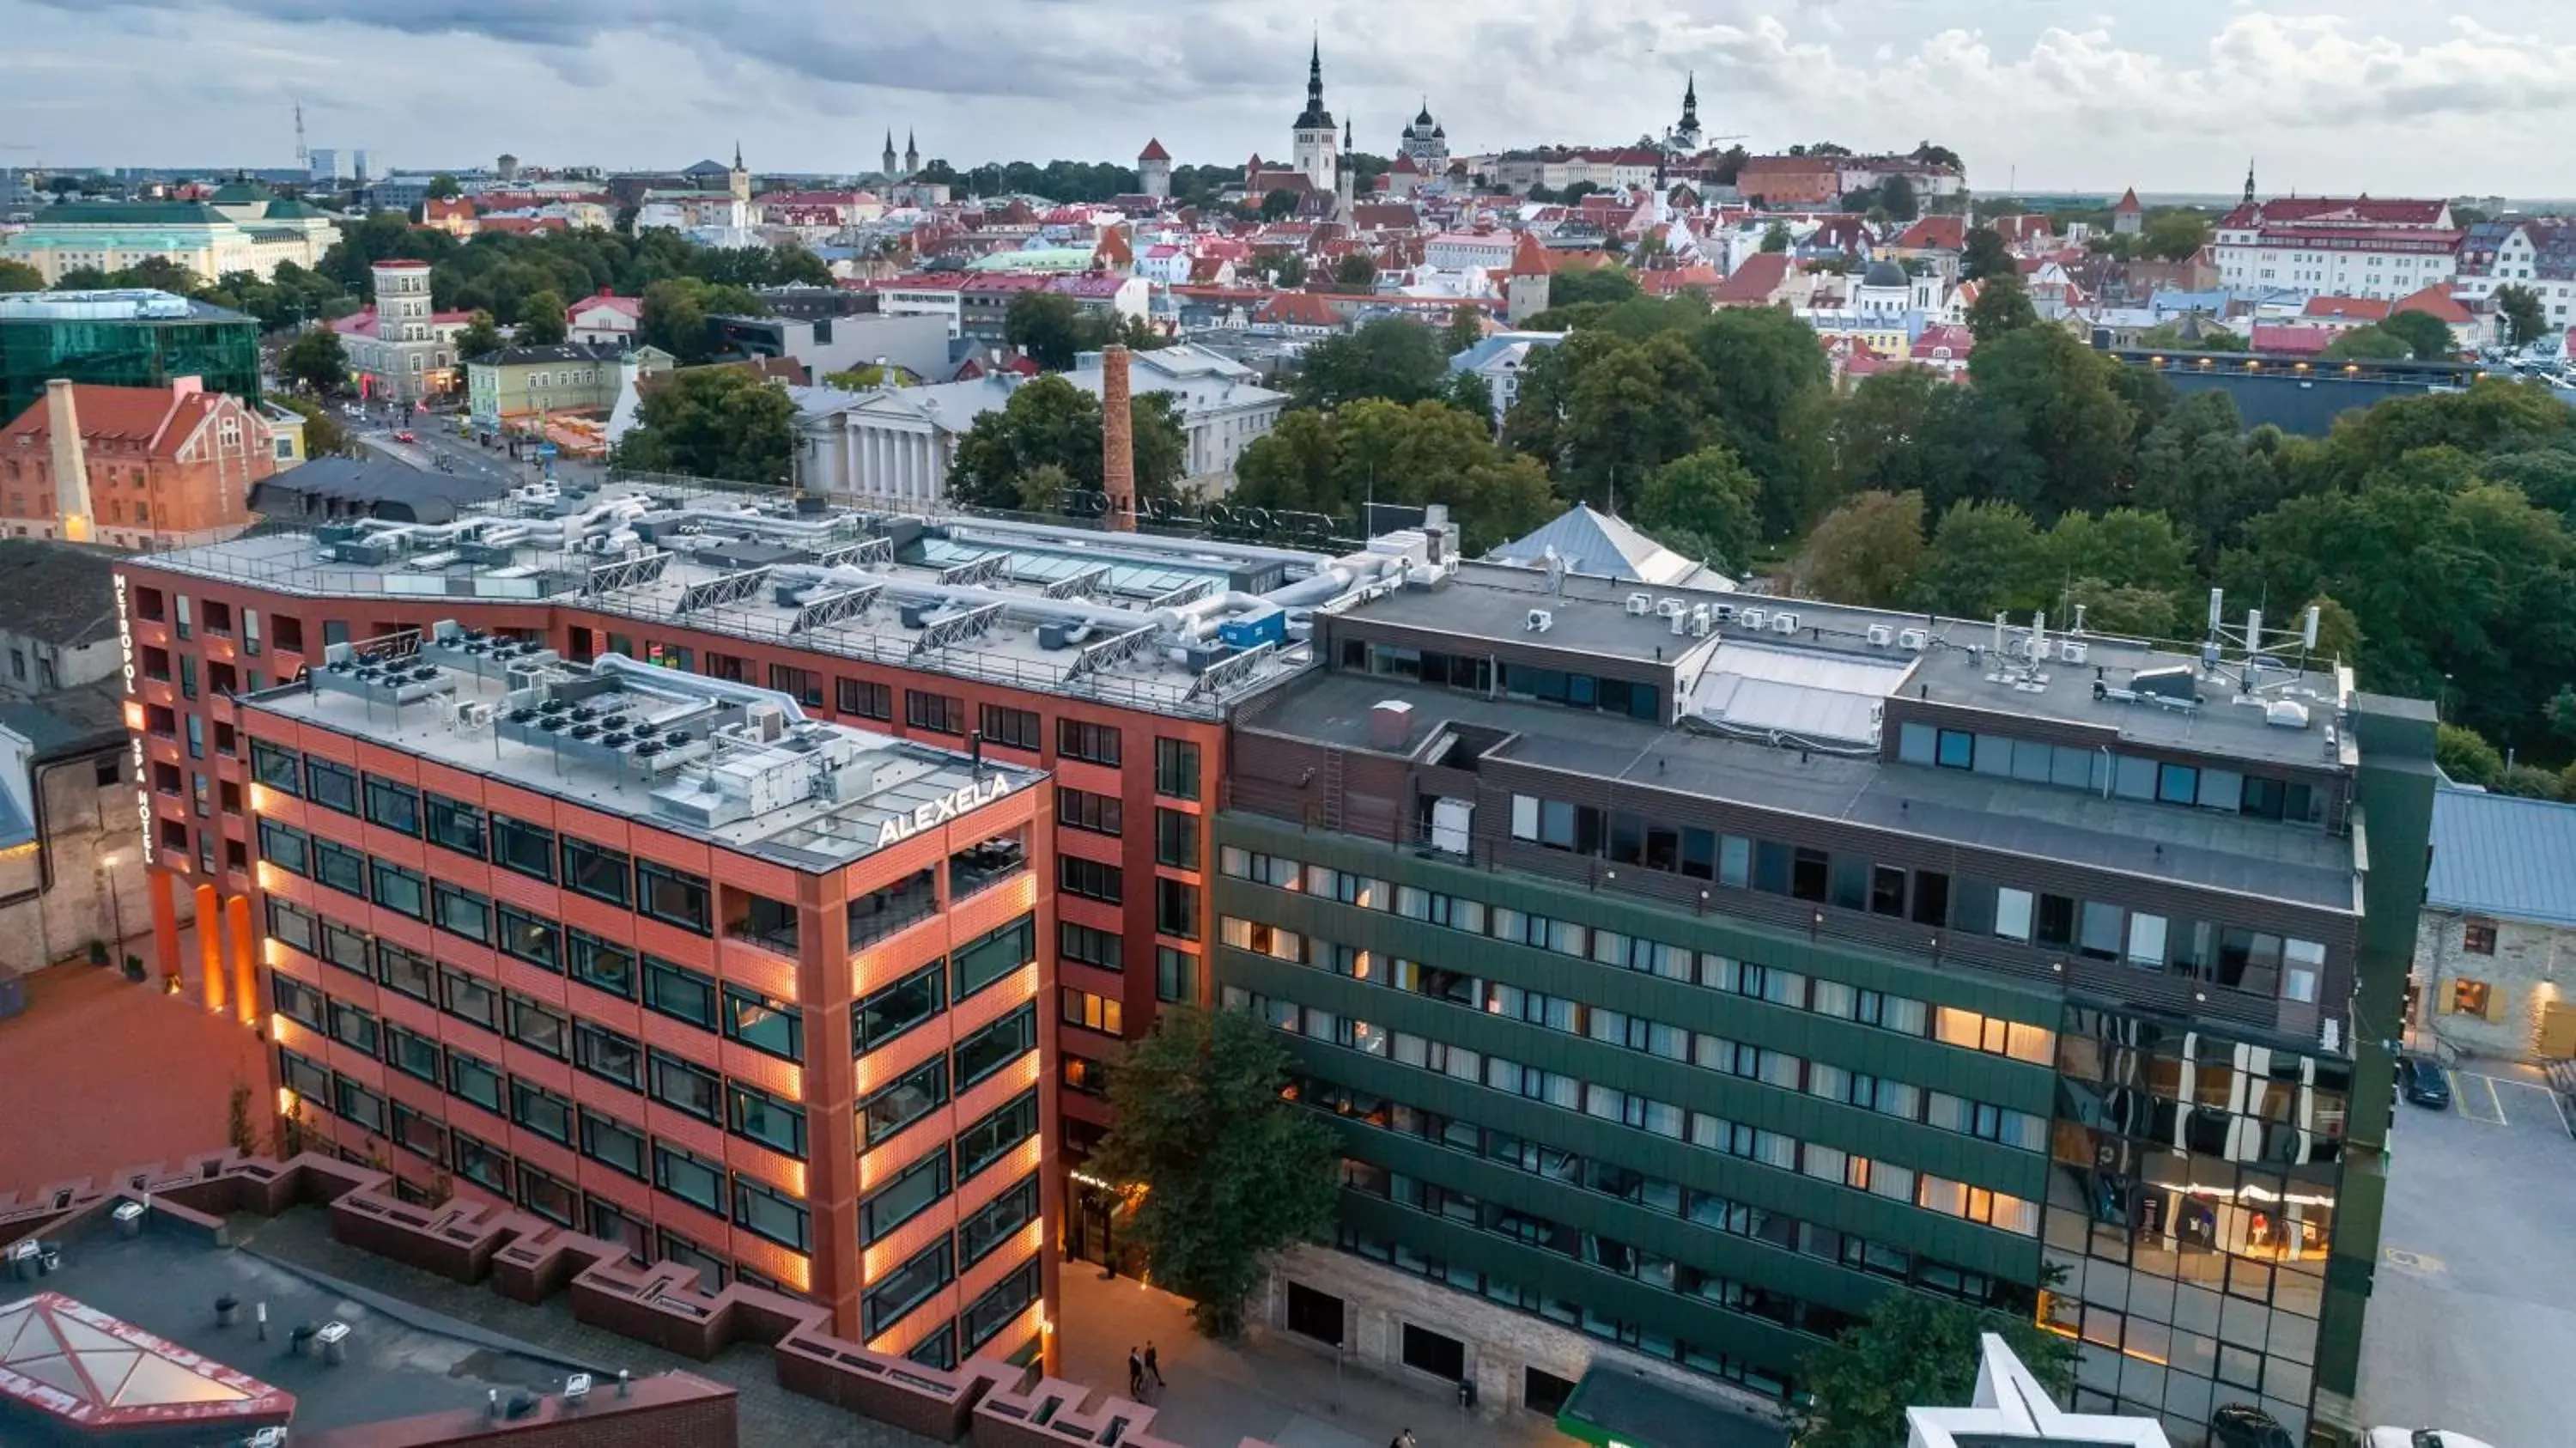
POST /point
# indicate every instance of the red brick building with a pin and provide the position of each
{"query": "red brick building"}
(134, 467)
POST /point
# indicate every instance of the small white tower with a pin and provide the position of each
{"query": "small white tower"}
(1154, 170)
(1314, 134)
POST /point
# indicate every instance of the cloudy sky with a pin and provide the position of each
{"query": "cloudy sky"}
(2388, 96)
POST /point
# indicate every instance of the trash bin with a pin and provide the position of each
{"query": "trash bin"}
(13, 994)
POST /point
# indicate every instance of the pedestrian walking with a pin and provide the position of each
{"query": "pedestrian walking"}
(1402, 1440)
(1153, 1364)
(1135, 1374)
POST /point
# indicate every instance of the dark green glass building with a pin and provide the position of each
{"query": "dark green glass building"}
(121, 339)
(1683, 970)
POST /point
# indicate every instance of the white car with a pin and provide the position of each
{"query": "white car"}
(2423, 1438)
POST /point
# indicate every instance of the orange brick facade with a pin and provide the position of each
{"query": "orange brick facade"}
(165, 467)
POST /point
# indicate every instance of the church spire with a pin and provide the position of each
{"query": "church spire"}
(2249, 183)
(737, 154)
(1315, 77)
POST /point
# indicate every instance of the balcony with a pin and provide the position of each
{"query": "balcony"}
(883, 912)
(761, 921)
(981, 867)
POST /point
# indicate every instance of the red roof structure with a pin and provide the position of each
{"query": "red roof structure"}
(2435, 301)
(96, 1374)
(1754, 284)
(2128, 205)
(2293, 341)
(1935, 233)
(2335, 211)
(2346, 309)
(1153, 152)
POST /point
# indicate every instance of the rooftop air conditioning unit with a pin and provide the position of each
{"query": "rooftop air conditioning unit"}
(1752, 618)
(2286, 714)
(1913, 640)
(2041, 648)
(2074, 651)
(1671, 607)
(1784, 623)
(1701, 621)
(1880, 636)
(1640, 604)
(1539, 621)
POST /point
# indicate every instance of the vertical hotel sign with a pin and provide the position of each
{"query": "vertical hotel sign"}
(134, 737)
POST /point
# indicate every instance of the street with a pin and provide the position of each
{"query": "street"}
(435, 436)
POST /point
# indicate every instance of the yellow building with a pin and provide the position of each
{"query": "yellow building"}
(248, 233)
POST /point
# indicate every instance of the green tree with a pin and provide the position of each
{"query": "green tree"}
(157, 273)
(2525, 320)
(1466, 327)
(481, 337)
(1896, 197)
(324, 437)
(1049, 422)
(1984, 559)
(1358, 269)
(2427, 335)
(1048, 326)
(2002, 307)
(541, 320)
(715, 422)
(2197, 466)
(1775, 238)
(1913, 1349)
(1574, 285)
(82, 279)
(2466, 756)
(1228, 1171)
(1470, 393)
(1709, 495)
(238, 1131)
(1395, 358)
(1864, 553)
(2368, 344)
(2530, 781)
(317, 362)
(1044, 489)
(678, 314)
(2174, 235)
(17, 276)
(861, 378)
(1641, 406)
(2123, 547)
(1430, 452)
(2212, 338)
(1771, 398)
(443, 187)
(1983, 256)
(1278, 205)
(2074, 424)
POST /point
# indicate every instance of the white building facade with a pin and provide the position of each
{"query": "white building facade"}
(2328, 246)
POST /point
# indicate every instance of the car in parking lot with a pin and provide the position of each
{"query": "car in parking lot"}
(2424, 1083)
(405, 436)
(2422, 1438)
(2242, 1425)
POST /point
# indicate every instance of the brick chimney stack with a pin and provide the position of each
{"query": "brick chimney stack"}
(70, 462)
(1117, 440)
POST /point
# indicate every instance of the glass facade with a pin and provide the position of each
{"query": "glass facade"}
(218, 346)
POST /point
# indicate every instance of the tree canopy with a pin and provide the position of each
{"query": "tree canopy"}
(317, 362)
(1912, 1349)
(714, 422)
(678, 315)
(1393, 358)
(1050, 423)
(1376, 448)
(1227, 1170)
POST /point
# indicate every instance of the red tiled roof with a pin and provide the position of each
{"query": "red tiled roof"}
(630, 307)
(1385, 216)
(2358, 211)
(2128, 204)
(1945, 337)
(2435, 301)
(1941, 233)
(1755, 281)
(1153, 152)
(401, 266)
(2349, 309)
(1788, 165)
(2292, 341)
(1298, 309)
(445, 208)
(1673, 281)
(162, 418)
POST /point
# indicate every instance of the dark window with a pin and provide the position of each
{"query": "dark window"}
(938, 713)
(540, 1110)
(303, 1077)
(2055, 923)
(607, 1140)
(764, 1024)
(289, 924)
(463, 912)
(470, 999)
(2478, 937)
(1931, 898)
(333, 786)
(1000, 1307)
(530, 938)
(399, 890)
(803, 685)
(548, 1197)
(1085, 946)
(286, 847)
(1176, 839)
(995, 954)
(352, 1027)
(989, 1140)
(1176, 768)
(1808, 871)
(761, 1117)
(688, 1177)
(674, 897)
(757, 918)
(995, 1221)
(1014, 728)
(341, 868)
(393, 806)
(528, 849)
(996, 1046)
(899, 1201)
(279, 769)
(1090, 879)
(864, 698)
(1176, 908)
(1176, 975)
(768, 1212)
(608, 1055)
(679, 992)
(475, 1079)
(1091, 743)
(346, 948)
(900, 1103)
(906, 1287)
(687, 1086)
(939, 1348)
(538, 1028)
(401, 970)
(1083, 810)
(455, 825)
(1435, 1353)
(601, 964)
(420, 1134)
(299, 1001)
(883, 911)
(891, 1010)
(411, 1054)
(598, 873)
(1314, 1314)
(479, 1162)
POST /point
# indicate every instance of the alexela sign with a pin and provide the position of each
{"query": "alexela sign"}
(941, 810)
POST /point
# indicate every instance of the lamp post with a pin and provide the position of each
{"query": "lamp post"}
(111, 864)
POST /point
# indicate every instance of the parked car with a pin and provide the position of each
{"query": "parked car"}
(405, 436)
(2242, 1425)
(2423, 1438)
(2424, 1083)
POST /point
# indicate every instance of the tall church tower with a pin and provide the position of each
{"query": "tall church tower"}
(911, 155)
(1314, 132)
(2249, 183)
(1346, 179)
(890, 158)
(1686, 135)
(738, 180)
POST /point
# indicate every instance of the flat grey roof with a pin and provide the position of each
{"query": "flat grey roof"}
(1491, 603)
(2195, 847)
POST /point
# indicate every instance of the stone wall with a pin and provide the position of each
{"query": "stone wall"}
(2523, 977)
(85, 825)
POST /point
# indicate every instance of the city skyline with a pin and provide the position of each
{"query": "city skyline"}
(2372, 96)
